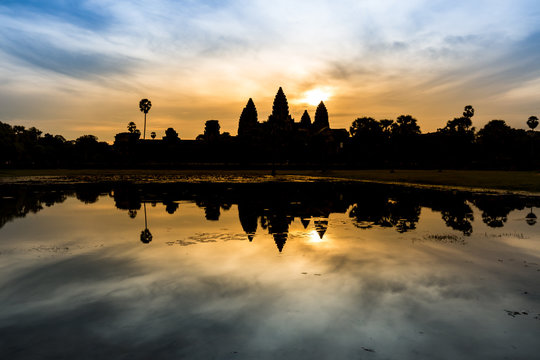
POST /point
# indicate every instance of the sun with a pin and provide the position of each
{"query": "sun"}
(315, 96)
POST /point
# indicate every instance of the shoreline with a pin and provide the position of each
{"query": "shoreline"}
(518, 182)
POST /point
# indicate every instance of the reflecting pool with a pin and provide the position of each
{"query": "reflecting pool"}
(266, 270)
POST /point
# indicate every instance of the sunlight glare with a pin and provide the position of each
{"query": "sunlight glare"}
(315, 96)
(314, 237)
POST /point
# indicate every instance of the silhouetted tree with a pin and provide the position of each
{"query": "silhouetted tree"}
(468, 111)
(131, 127)
(171, 135)
(368, 141)
(405, 125)
(321, 117)
(365, 127)
(532, 122)
(456, 139)
(144, 106)
(248, 119)
(153, 135)
(386, 125)
(404, 140)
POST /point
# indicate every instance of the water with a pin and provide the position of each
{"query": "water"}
(266, 270)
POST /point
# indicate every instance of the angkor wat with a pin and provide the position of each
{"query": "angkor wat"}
(279, 139)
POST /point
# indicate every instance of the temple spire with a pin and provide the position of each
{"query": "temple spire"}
(248, 119)
(280, 116)
(305, 121)
(321, 117)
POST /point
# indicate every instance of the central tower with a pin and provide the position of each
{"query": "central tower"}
(280, 117)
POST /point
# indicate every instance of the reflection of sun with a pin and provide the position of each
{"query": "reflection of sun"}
(314, 237)
(315, 96)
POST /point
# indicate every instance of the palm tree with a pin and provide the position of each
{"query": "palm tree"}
(146, 235)
(532, 122)
(531, 218)
(144, 106)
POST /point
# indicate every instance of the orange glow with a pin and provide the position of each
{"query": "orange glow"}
(315, 96)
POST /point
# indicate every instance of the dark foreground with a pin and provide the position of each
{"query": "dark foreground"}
(261, 269)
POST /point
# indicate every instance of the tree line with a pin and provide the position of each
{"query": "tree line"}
(370, 143)
(400, 143)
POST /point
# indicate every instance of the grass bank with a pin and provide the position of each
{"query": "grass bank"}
(478, 179)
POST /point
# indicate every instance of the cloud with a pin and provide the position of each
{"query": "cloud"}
(41, 53)
(189, 51)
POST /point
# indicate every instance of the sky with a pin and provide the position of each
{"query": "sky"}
(81, 67)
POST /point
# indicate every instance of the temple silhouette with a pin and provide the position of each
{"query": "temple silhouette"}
(281, 142)
(279, 139)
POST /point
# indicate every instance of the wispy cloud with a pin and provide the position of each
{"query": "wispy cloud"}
(183, 52)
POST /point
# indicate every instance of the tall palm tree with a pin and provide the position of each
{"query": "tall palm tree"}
(146, 236)
(144, 106)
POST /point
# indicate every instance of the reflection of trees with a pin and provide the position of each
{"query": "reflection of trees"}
(276, 205)
(18, 202)
(88, 195)
(495, 209)
(170, 206)
(378, 209)
(212, 207)
(530, 218)
(146, 236)
(459, 218)
(127, 197)
(455, 211)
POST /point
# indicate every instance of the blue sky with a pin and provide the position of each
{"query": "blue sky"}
(77, 67)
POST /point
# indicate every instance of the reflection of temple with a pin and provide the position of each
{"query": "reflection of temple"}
(276, 205)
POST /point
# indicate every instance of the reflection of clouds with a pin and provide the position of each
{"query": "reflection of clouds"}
(112, 306)
(202, 238)
(376, 290)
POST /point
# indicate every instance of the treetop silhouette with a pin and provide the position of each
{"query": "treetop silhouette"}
(405, 125)
(131, 127)
(144, 106)
(468, 111)
(532, 122)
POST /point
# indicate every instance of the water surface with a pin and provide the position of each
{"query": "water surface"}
(265, 270)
